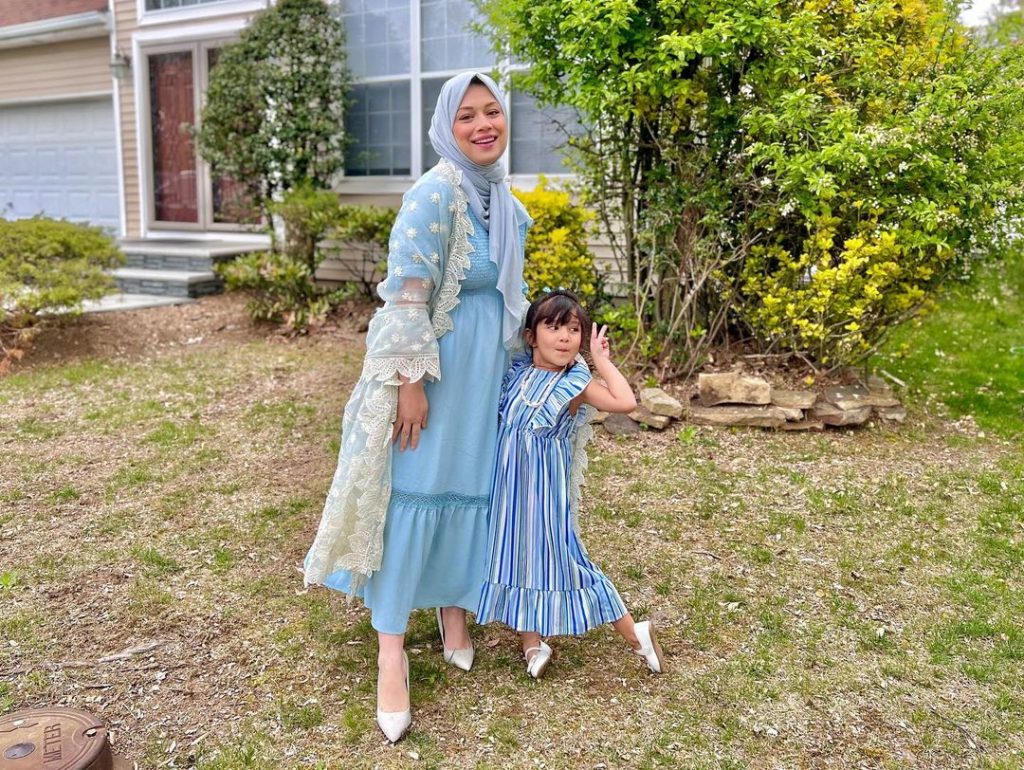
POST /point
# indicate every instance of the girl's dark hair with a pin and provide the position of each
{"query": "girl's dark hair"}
(557, 307)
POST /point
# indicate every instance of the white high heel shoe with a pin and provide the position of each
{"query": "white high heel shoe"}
(649, 650)
(395, 724)
(459, 658)
(537, 664)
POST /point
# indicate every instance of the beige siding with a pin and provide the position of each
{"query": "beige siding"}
(125, 24)
(345, 264)
(56, 70)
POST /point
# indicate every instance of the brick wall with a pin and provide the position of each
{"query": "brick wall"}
(23, 11)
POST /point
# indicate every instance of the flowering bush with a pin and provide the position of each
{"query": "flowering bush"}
(799, 173)
(556, 247)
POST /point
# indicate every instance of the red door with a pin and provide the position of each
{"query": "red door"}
(172, 114)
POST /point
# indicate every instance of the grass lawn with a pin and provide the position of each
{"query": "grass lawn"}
(850, 599)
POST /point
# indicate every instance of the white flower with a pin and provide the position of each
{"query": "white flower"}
(412, 205)
(411, 232)
(399, 271)
(434, 257)
(417, 257)
(435, 197)
(435, 227)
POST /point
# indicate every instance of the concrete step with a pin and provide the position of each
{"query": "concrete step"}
(173, 283)
(122, 301)
(191, 256)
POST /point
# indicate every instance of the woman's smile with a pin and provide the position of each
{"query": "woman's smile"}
(480, 129)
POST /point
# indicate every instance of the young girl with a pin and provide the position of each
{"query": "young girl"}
(540, 580)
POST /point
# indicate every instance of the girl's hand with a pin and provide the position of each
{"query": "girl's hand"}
(599, 348)
(412, 414)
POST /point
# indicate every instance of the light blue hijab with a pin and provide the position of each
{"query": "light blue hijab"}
(489, 198)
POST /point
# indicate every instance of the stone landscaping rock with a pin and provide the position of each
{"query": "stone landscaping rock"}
(645, 417)
(878, 385)
(791, 414)
(620, 425)
(891, 413)
(804, 425)
(831, 414)
(794, 399)
(597, 417)
(750, 416)
(732, 388)
(856, 396)
(657, 401)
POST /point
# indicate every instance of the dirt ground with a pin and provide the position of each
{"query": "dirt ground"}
(835, 600)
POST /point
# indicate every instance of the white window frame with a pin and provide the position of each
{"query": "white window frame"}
(385, 184)
(212, 9)
(149, 41)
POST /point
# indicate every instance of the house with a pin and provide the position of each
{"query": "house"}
(94, 124)
(58, 138)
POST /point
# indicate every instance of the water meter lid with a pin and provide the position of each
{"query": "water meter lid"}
(53, 739)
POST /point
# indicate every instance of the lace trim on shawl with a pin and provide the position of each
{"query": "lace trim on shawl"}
(351, 532)
(458, 255)
(386, 370)
(577, 471)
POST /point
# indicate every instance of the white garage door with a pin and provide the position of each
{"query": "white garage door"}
(59, 159)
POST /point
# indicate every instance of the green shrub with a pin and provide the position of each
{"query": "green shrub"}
(275, 104)
(281, 289)
(556, 247)
(365, 231)
(308, 213)
(47, 266)
(281, 283)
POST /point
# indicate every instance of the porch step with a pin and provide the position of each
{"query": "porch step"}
(171, 283)
(121, 301)
(193, 256)
(175, 268)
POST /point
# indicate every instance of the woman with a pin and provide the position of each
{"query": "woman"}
(405, 522)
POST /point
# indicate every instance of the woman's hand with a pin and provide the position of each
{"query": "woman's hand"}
(599, 348)
(412, 414)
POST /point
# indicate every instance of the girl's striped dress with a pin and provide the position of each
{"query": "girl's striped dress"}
(539, 577)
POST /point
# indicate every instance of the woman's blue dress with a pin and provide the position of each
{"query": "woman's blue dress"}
(435, 535)
(538, 575)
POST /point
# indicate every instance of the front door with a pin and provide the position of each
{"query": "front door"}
(182, 192)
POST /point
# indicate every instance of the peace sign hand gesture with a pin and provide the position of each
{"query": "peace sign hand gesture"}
(599, 348)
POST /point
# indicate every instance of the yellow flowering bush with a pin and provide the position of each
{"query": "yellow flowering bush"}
(556, 247)
(835, 300)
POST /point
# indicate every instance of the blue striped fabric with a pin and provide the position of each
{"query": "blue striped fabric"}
(539, 577)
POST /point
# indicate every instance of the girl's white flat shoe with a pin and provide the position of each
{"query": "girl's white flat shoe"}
(649, 650)
(459, 658)
(395, 724)
(537, 663)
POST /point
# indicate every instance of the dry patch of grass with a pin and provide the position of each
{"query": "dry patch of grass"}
(850, 599)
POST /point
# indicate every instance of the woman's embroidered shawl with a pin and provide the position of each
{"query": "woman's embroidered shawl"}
(427, 260)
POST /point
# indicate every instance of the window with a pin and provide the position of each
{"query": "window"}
(398, 79)
(159, 5)
(378, 122)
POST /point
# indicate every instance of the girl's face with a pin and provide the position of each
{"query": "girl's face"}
(555, 346)
(480, 128)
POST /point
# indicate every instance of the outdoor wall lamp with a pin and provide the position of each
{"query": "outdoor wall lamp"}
(120, 65)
